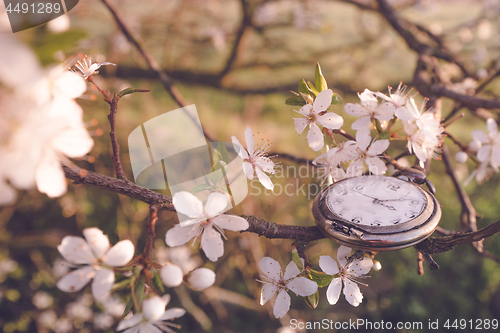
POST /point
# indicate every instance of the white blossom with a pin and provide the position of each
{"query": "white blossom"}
(41, 124)
(255, 159)
(329, 163)
(97, 258)
(276, 282)
(153, 319)
(205, 221)
(423, 130)
(314, 115)
(370, 108)
(367, 151)
(86, 68)
(346, 273)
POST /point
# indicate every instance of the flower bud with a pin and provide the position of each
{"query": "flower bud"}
(475, 145)
(153, 308)
(461, 157)
(171, 275)
(377, 266)
(201, 278)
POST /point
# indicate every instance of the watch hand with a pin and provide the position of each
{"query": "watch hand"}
(399, 199)
(366, 195)
(379, 202)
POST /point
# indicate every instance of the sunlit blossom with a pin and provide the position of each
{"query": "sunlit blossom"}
(347, 273)
(153, 319)
(207, 222)
(86, 68)
(315, 115)
(275, 281)
(255, 159)
(97, 259)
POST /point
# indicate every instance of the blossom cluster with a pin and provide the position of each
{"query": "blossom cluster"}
(378, 111)
(41, 124)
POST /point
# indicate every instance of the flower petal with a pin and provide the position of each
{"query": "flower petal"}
(343, 253)
(300, 124)
(480, 136)
(49, 176)
(103, 282)
(76, 280)
(230, 222)
(264, 179)
(315, 137)
(331, 120)
(376, 165)
(306, 110)
(238, 147)
(186, 203)
(268, 291)
(323, 100)
(282, 304)
(302, 286)
(328, 265)
(216, 203)
(356, 110)
(73, 142)
(333, 291)
(130, 322)
(360, 267)
(492, 127)
(378, 147)
(97, 241)
(211, 243)
(248, 170)
(120, 254)
(270, 267)
(153, 308)
(249, 140)
(352, 293)
(181, 235)
(75, 250)
(173, 313)
(291, 271)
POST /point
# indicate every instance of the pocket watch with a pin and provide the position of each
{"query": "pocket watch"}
(378, 213)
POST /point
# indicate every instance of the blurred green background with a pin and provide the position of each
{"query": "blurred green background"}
(192, 39)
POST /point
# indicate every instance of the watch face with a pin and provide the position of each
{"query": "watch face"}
(376, 201)
(376, 213)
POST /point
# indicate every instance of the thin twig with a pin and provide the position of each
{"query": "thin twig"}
(165, 80)
(153, 217)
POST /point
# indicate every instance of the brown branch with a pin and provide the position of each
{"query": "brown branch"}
(404, 28)
(119, 186)
(446, 243)
(468, 215)
(165, 80)
(246, 21)
(113, 107)
(271, 230)
(466, 100)
(260, 226)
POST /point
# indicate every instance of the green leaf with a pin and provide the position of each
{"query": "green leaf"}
(321, 278)
(223, 152)
(312, 300)
(296, 259)
(129, 306)
(139, 293)
(128, 91)
(336, 99)
(319, 79)
(313, 89)
(157, 284)
(385, 135)
(295, 100)
(201, 187)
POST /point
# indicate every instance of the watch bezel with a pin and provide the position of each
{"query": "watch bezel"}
(376, 238)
